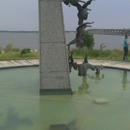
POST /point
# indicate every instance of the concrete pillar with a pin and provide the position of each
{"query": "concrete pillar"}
(54, 69)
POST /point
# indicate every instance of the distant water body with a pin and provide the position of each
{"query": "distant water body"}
(31, 40)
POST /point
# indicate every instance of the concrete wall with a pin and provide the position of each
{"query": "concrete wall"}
(54, 71)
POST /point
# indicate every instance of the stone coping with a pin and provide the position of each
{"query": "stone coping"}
(18, 63)
(35, 62)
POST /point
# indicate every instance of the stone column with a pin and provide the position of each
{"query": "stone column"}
(54, 69)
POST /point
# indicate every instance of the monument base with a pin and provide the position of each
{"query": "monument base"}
(54, 66)
(56, 92)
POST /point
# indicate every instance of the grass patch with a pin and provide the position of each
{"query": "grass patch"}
(12, 55)
(114, 55)
(98, 54)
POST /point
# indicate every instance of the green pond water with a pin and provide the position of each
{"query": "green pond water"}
(98, 102)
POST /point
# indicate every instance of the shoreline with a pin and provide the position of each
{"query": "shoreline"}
(35, 62)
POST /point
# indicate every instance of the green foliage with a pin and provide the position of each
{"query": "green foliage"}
(116, 54)
(1, 49)
(8, 47)
(88, 41)
(106, 54)
(17, 54)
(94, 53)
(12, 55)
(25, 51)
(16, 49)
(99, 54)
(78, 52)
(102, 46)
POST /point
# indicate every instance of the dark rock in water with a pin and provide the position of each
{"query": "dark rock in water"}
(57, 127)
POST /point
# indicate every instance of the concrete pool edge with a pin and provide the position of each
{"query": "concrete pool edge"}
(35, 62)
(18, 63)
(109, 64)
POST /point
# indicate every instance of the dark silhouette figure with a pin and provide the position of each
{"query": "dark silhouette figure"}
(80, 34)
(124, 80)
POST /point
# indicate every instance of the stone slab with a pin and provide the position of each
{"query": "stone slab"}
(100, 101)
(54, 80)
(53, 57)
(51, 21)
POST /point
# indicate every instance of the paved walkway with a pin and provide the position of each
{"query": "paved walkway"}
(22, 63)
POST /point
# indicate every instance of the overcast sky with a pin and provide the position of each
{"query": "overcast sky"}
(23, 14)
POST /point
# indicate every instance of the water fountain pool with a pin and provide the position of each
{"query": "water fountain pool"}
(98, 102)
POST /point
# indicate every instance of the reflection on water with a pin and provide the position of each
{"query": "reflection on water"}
(83, 88)
(97, 77)
(99, 102)
(14, 121)
(72, 125)
(58, 127)
(124, 80)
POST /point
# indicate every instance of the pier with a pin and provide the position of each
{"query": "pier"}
(109, 31)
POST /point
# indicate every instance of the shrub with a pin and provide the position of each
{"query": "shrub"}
(94, 53)
(116, 54)
(79, 52)
(106, 53)
(0, 49)
(8, 47)
(88, 41)
(16, 49)
(25, 51)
